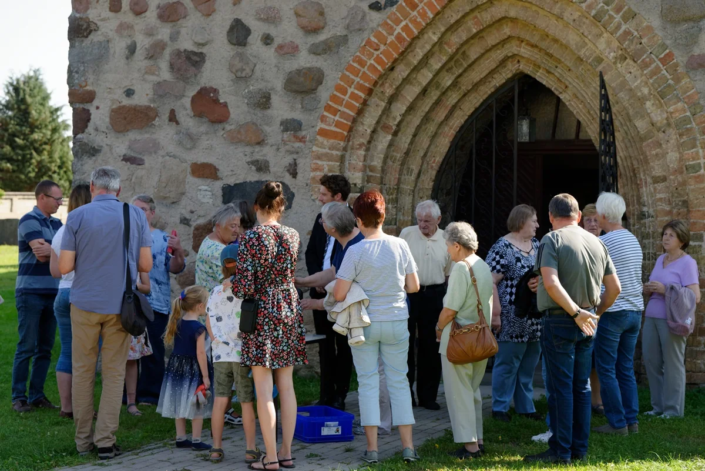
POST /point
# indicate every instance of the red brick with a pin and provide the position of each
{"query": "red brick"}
(381, 62)
(331, 110)
(432, 7)
(394, 46)
(402, 40)
(367, 78)
(374, 70)
(411, 4)
(380, 37)
(364, 89)
(359, 61)
(352, 70)
(341, 89)
(403, 12)
(395, 18)
(337, 100)
(388, 27)
(366, 52)
(347, 117)
(389, 56)
(343, 126)
(332, 134)
(408, 31)
(424, 15)
(356, 97)
(667, 58)
(416, 23)
(347, 80)
(373, 45)
(326, 120)
(349, 105)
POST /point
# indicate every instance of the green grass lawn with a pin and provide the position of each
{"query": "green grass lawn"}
(40, 440)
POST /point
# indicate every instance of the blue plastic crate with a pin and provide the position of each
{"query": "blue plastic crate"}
(322, 424)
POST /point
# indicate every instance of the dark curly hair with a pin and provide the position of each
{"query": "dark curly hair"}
(336, 184)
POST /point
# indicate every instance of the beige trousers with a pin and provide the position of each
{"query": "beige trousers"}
(86, 328)
(464, 399)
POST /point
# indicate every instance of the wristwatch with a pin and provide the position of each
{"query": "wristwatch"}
(438, 329)
(574, 316)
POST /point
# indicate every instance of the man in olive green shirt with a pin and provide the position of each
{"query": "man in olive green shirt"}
(573, 264)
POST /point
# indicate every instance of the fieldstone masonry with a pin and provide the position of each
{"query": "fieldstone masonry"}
(200, 101)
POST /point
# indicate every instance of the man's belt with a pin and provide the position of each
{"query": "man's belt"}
(432, 287)
(562, 312)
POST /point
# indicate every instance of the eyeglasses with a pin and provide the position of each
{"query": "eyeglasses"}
(58, 200)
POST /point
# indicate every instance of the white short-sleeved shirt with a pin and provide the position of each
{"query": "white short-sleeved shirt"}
(380, 267)
(627, 257)
(66, 280)
(223, 310)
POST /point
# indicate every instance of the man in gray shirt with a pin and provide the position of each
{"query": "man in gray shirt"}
(573, 264)
(93, 247)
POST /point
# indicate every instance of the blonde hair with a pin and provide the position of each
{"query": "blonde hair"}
(590, 210)
(187, 301)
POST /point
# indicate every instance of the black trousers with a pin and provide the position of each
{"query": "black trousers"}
(424, 360)
(149, 384)
(336, 359)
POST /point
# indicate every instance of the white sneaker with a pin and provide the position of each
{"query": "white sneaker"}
(653, 413)
(666, 416)
(542, 437)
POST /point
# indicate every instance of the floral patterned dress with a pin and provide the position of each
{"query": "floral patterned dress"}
(265, 271)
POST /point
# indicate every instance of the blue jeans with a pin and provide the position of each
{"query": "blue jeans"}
(544, 375)
(513, 376)
(390, 340)
(568, 363)
(615, 341)
(37, 329)
(62, 312)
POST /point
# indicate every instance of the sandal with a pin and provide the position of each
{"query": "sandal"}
(289, 460)
(599, 409)
(264, 465)
(232, 418)
(220, 454)
(136, 412)
(253, 456)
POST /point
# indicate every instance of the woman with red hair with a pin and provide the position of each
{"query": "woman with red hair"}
(385, 269)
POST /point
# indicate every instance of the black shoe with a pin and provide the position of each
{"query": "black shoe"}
(534, 416)
(481, 446)
(21, 406)
(338, 403)
(431, 405)
(463, 454)
(200, 446)
(44, 403)
(547, 456)
(574, 457)
(108, 453)
(184, 444)
(502, 416)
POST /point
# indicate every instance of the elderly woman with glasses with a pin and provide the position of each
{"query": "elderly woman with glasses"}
(226, 230)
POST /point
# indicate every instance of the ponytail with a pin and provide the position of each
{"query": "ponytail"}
(187, 301)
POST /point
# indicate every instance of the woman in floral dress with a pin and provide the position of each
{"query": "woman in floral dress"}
(265, 271)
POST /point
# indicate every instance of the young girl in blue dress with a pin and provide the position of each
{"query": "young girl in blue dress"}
(188, 367)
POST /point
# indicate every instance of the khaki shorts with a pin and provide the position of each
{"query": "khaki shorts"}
(229, 372)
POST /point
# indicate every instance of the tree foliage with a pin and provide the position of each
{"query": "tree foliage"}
(34, 145)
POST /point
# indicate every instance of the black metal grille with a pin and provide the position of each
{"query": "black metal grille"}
(608, 146)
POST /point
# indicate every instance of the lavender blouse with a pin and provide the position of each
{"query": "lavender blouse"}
(682, 272)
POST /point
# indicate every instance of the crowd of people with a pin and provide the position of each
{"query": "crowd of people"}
(573, 301)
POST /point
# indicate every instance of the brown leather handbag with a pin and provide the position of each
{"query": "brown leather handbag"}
(473, 342)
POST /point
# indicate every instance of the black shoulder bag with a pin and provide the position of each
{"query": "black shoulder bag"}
(250, 307)
(136, 310)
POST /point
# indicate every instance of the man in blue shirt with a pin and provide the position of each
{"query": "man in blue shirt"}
(149, 385)
(35, 290)
(93, 247)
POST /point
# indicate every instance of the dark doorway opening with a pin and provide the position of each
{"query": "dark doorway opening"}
(523, 145)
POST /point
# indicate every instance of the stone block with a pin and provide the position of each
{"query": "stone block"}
(356, 19)
(130, 49)
(696, 62)
(125, 29)
(201, 35)
(205, 7)
(171, 12)
(81, 118)
(310, 16)
(292, 168)
(80, 27)
(85, 58)
(267, 39)
(187, 277)
(146, 146)
(238, 33)
(81, 95)
(186, 139)
(84, 150)
(242, 65)
(115, 6)
(124, 118)
(186, 64)
(169, 89)
(290, 125)
(260, 165)
(268, 14)
(328, 46)
(204, 170)
(681, 11)
(257, 98)
(246, 191)
(155, 49)
(200, 232)
(133, 160)
(304, 80)
(249, 133)
(171, 186)
(81, 6)
(205, 103)
(287, 48)
(129, 92)
(139, 7)
(172, 117)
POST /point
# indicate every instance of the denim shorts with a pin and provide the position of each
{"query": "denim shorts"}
(62, 312)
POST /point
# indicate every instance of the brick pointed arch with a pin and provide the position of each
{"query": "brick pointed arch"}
(400, 100)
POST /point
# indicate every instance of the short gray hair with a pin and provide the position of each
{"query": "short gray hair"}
(339, 216)
(146, 199)
(428, 207)
(225, 214)
(106, 178)
(462, 233)
(564, 206)
(611, 206)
